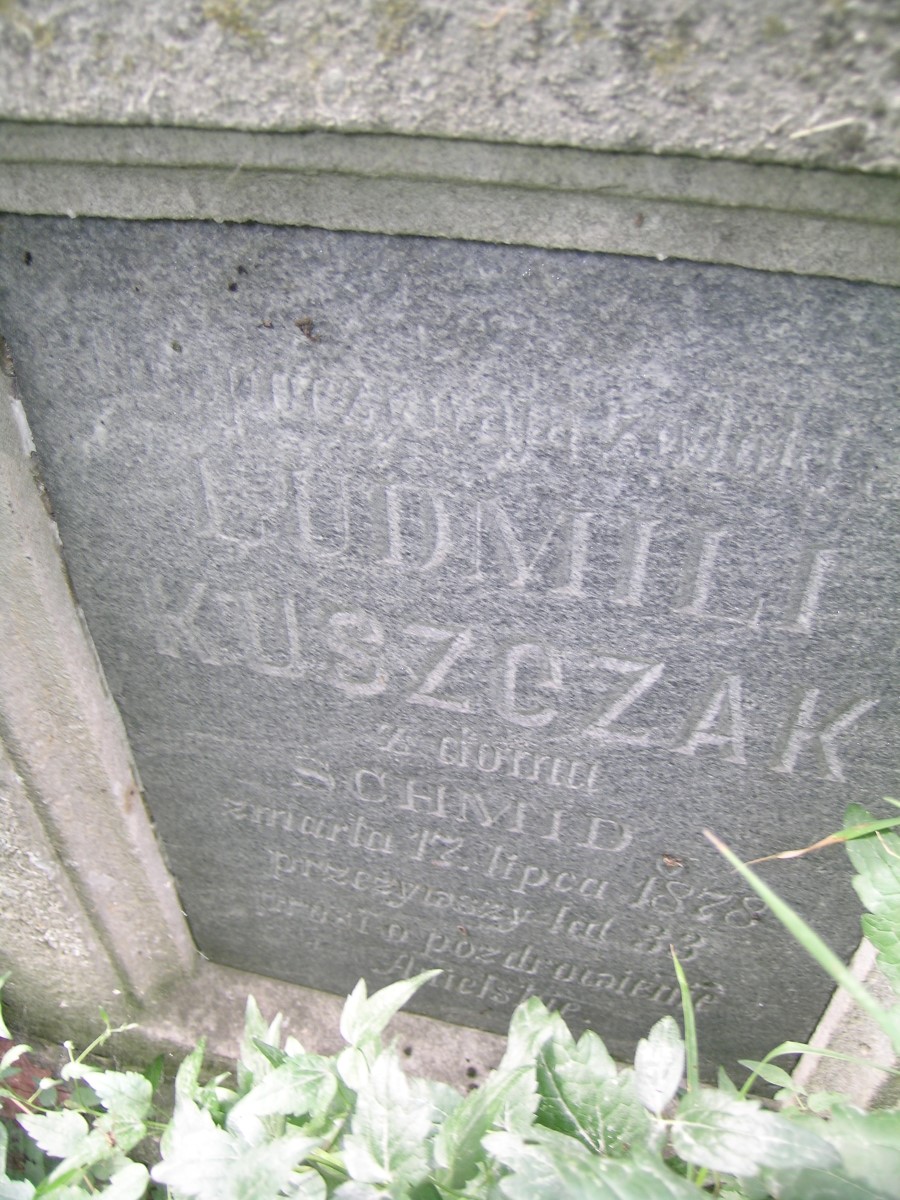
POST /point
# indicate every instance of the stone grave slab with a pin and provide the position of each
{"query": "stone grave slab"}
(449, 591)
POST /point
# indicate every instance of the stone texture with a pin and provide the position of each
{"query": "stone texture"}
(89, 914)
(448, 591)
(806, 82)
(782, 218)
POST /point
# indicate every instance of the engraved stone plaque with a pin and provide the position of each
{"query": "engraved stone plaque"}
(448, 591)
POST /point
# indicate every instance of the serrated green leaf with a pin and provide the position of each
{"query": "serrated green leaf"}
(125, 1095)
(253, 1064)
(128, 1183)
(458, 1145)
(387, 1142)
(883, 931)
(659, 1065)
(307, 1184)
(275, 1055)
(736, 1137)
(579, 1097)
(868, 1144)
(550, 1166)
(204, 1162)
(298, 1088)
(530, 1026)
(59, 1134)
(187, 1077)
(366, 1016)
(877, 861)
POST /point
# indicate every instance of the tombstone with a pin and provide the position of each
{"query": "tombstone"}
(469, 534)
(449, 590)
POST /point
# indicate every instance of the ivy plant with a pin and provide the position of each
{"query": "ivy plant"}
(557, 1120)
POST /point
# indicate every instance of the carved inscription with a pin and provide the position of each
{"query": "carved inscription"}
(441, 636)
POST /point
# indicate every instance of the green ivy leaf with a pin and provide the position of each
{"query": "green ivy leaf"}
(736, 1137)
(253, 1064)
(883, 931)
(59, 1134)
(366, 1016)
(659, 1065)
(458, 1145)
(570, 1079)
(530, 1026)
(877, 861)
(551, 1166)
(125, 1095)
(207, 1163)
(868, 1144)
(128, 1183)
(298, 1088)
(390, 1128)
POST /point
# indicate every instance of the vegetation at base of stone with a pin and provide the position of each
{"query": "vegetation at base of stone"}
(557, 1120)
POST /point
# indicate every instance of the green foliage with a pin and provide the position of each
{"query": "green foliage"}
(557, 1120)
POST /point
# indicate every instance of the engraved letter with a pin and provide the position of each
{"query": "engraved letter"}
(631, 581)
(177, 632)
(311, 542)
(518, 567)
(706, 732)
(396, 538)
(826, 735)
(436, 677)
(703, 584)
(817, 568)
(548, 668)
(372, 678)
(647, 674)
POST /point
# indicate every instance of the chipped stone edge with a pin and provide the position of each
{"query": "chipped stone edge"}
(761, 216)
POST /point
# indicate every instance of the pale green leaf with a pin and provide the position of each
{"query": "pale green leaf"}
(187, 1078)
(550, 1166)
(353, 1189)
(777, 1076)
(387, 1142)
(59, 1134)
(15, 1189)
(659, 1065)
(734, 1136)
(197, 1154)
(883, 931)
(530, 1026)
(577, 1097)
(458, 1145)
(128, 1183)
(366, 1016)
(868, 1144)
(307, 1184)
(298, 1088)
(877, 861)
(253, 1064)
(124, 1094)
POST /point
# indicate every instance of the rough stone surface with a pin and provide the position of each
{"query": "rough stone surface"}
(807, 82)
(89, 914)
(448, 591)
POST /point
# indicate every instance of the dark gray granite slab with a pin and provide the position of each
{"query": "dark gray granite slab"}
(449, 591)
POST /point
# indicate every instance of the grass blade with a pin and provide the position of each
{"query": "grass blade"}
(691, 1054)
(834, 839)
(811, 942)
